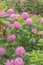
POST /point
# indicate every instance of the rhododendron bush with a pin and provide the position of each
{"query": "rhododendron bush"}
(21, 38)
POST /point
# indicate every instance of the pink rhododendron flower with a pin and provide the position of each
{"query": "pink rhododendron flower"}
(12, 37)
(10, 62)
(34, 30)
(21, 1)
(8, 23)
(19, 61)
(2, 13)
(41, 21)
(18, 16)
(29, 21)
(16, 24)
(2, 51)
(10, 11)
(25, 15)
(20, 51)
(7, 62)
(12, 16)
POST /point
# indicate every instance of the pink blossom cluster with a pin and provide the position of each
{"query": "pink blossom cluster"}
(17, 61)
(8, 23)
(11, 37)
(20, 51)
(10, 62)
(2, 13)
(2, 51)
(34, 31)
(16, 24)
(29, 22)
(10, 11)
(25, 15)
(12, 16)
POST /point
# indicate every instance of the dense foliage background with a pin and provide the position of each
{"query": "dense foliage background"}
(31, 6)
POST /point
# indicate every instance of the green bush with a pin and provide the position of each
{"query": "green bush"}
(34, 58)
(31, 6)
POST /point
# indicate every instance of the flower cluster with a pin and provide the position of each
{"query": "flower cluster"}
(18, 61)
(10, 11)
(12, 16)
(2, 13)
(2, 51)
(11, 37)
(20, 51)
